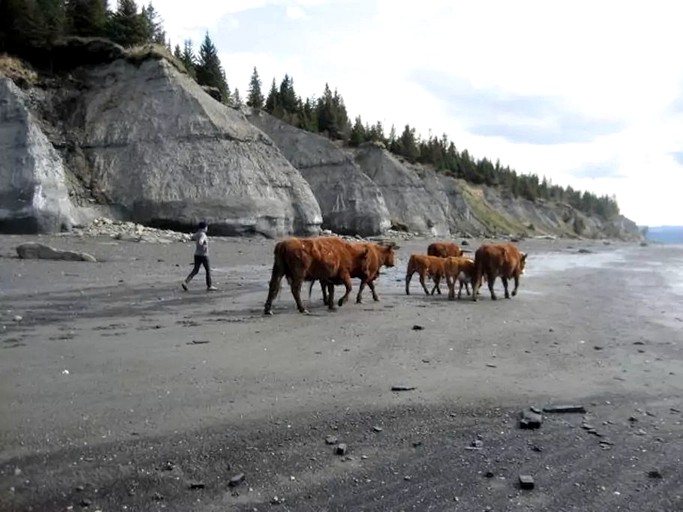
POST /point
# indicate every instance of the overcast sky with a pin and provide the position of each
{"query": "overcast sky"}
(587, 93)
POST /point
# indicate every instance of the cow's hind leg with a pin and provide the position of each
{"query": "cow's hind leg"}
(514, 291)
(273, 290)
(437, 281)
(346, 279)
(371, 285)
(491, 278)
(359, 297)
(330, 296)
(505, 285)
(422, 282)
(450, 283)
(296, 293)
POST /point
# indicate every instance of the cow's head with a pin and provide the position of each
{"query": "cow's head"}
(388, 250)
(522, 263)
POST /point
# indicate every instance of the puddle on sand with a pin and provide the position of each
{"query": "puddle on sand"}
(540, 264)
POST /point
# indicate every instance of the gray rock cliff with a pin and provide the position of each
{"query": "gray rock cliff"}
(33, 194)
(411, 206)
(350, 201)
(149, 144)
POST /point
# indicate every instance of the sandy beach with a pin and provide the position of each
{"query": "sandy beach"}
(119, 391)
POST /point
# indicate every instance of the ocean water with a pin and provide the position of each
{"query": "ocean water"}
(665, 234)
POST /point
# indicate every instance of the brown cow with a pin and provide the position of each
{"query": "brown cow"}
(325, 258)
(493, 260)
(369, 259)
(444, 249)
(432, 266)
(459, 269)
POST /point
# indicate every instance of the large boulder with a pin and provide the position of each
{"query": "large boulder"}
(33, 194)
(36, 251)
(410, 204)
(159, 150)
(351, 203)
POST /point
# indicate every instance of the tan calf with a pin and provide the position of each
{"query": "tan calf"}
(425, 266)
(459, 269)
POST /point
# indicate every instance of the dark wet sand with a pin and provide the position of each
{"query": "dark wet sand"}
(118, 389)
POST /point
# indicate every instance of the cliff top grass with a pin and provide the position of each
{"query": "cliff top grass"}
(17, 70)
(139, 54)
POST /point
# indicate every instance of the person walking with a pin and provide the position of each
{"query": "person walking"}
(201, 257)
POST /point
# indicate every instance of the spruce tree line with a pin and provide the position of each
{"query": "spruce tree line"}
(27, 25)
(327, 115)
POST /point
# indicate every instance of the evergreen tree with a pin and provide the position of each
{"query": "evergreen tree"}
(236, 98)
(26, 25)
(288, 98)
(255, 97)
(408, 144)
(358, 134)
(309, 117)
(209, 69)
(332, 117)
(154, 25)
(127, 26)
(188, 59)
(87, 18)
(177, 53)
(273, 100)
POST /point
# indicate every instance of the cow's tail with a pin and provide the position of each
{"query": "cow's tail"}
(280, 265)
(477, 275)
(409, 272)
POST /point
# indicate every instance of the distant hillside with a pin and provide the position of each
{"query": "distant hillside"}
(665, 234)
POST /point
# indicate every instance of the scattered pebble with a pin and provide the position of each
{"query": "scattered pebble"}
(236, 480)
(526, 482)
(559, 409)
(402, 388)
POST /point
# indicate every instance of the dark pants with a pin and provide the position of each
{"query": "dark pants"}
(198, 262)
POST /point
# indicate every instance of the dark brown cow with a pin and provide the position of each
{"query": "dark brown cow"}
(370, 257)
(459, 269)
(328, 259)
(432, 266)
(444, 249)
(493, 260)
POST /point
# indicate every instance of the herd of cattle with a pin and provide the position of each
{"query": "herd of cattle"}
(334, 261)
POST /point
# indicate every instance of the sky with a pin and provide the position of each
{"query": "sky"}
(586, 93)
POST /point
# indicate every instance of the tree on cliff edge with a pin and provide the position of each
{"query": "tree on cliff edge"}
(209, 69)
(255, 98)
(127, 26)
(87, 18)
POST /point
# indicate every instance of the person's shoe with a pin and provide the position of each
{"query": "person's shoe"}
(184, 285)
(211, 289)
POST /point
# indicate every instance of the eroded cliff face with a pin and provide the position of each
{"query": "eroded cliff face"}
(351, 202)
(149, 144)
(143, 142)
(33, 194)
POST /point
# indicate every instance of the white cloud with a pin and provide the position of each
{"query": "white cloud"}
(599, 62)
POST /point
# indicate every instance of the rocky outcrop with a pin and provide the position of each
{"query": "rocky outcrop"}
(33, 193)
(34, 251)
(411, 206)
(168, 154)
(135, 139)
(144, 142)
(350, 201)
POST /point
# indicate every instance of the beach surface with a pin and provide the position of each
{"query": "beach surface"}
(120, 391)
